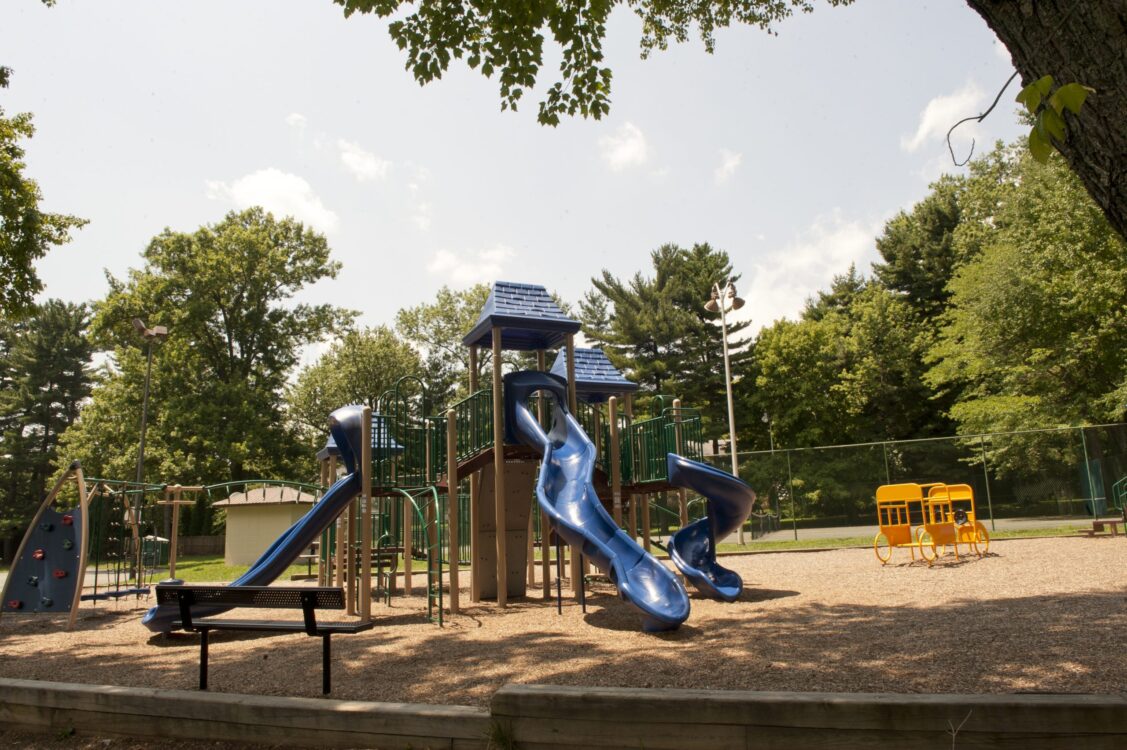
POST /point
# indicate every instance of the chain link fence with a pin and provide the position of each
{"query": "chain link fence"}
(1065, 473)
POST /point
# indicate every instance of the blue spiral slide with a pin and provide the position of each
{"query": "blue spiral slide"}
(568, 500)
(344, 423)
(693, 547)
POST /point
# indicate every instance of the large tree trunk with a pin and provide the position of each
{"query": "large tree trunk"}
(1082, 41)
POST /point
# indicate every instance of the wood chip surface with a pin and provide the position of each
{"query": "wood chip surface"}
(1034, 615)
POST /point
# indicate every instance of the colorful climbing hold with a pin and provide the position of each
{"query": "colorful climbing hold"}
(68, 520)
(68, 544)
(38, 554)
(46, 602)
(47, 526)
(15, 604)
(59, 573)
(33, 580)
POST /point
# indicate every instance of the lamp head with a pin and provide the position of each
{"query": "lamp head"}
(140, 326)
(737, 302)
(713, 304)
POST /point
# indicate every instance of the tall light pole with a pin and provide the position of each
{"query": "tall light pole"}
(150, 335)
(725, 299)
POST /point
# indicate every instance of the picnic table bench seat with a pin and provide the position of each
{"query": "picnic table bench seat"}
(309, 599)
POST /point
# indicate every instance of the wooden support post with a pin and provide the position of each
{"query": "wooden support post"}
(174, 532)
(366, 514)
(323, 554)
(83, 544)
(434, 554)
(174, 496)
(452, 505)
(500, 514)
(615, 461)
(597, 428)
(682, 494)
(632, 501)
(475, 522)
(545, 559)
(408, 542)
(350, 558)
(337, 574)
(646, 522)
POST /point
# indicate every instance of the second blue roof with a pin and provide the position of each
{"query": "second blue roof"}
(596, 379)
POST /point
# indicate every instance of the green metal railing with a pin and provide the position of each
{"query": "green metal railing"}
(650, 440)
(1119, 495)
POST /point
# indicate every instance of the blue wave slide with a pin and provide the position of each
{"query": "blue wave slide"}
(344, 423)
(693, 547)
(567, 498)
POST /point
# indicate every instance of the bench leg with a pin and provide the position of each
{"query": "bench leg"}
(203, 659)
(326, 664)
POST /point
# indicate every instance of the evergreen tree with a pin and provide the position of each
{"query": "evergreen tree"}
(44, 379)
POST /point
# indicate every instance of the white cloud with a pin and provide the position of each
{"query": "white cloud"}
(280, 193)
(364, 165)
(468, 268)
(421, 216)
(944, 111)
(297, 121)
(626, 147)
(778, 286)
(420, 208)
(729, 163)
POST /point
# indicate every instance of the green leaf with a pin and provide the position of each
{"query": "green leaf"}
(1043, 85)
(1032, 95)
(1039, 147)
(1070, 96)
(1053, 124)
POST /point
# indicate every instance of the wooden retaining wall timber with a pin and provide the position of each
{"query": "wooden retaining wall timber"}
(271, 720)
(541, 717)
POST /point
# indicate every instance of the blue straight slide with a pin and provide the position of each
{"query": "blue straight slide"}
(568, 500)
(345, 427)
(693, 548)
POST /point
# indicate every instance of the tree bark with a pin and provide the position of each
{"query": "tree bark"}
(1081, 41)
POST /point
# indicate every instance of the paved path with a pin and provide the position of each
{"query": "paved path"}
(836, 532)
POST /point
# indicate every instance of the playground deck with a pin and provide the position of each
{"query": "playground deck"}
(1036, 615)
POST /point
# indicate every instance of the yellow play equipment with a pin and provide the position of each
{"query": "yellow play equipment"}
(946, 517)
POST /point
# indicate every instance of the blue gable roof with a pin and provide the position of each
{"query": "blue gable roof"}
(528, 316)
(383, 444)
(596, 379)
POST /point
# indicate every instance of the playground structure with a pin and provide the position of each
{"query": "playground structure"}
(442, 486)
(944, 516)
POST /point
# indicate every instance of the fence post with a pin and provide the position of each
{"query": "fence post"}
(887, 475)
(790, 484)
(986, 477)
(1088, 472)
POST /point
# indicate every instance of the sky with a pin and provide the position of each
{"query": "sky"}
(789, 152)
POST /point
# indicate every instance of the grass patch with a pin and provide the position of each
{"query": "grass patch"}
(212, 569)
(1025, 533)
(828, 543)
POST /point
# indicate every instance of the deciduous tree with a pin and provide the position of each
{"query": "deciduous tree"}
(224, 292)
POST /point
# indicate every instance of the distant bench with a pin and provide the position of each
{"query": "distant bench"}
(308, 599)
(1098, 525)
